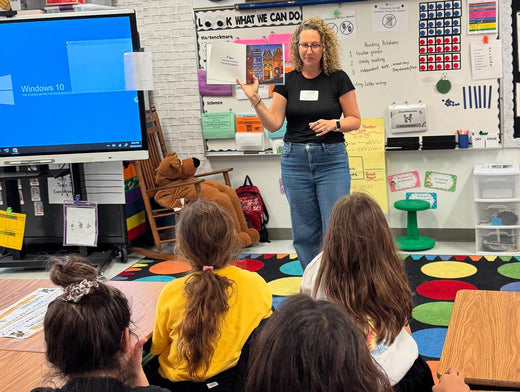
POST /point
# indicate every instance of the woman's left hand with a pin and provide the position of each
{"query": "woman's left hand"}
(321, 127)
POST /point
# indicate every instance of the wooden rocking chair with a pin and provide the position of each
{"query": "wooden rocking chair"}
(161, 221)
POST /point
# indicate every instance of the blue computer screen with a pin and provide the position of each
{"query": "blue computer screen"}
(63, 85)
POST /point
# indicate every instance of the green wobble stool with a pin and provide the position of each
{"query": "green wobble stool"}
(412, 240)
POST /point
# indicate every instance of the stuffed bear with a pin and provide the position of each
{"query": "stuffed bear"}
(173, 170)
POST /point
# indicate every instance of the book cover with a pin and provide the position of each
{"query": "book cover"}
(226, 61)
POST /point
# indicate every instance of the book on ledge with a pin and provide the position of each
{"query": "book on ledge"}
(226, 61)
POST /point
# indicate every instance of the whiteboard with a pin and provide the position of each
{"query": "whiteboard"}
(384, 45)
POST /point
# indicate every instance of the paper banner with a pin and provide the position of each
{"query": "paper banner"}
(366, 151)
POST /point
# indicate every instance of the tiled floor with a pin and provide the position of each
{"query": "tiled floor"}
(278, 246)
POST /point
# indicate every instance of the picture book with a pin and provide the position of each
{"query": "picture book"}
(226, 61)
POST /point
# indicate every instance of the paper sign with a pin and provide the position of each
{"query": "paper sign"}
(219, 125)
(387, 17)
(248, 124)
(80, 221)
(25, 317)
(104, 182)
(486, 60)
(430, 197)
(59, 189)
(482, 16)
(442, 181)
(12, 228)
(138, 71)
(250, 141)
(406, 180)
(366, 152)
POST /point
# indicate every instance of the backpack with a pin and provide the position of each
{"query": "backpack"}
(254, 208)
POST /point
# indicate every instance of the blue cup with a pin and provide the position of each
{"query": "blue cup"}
(463, 141)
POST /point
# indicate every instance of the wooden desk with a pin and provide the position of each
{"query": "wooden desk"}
(142, 297)
(22, 371)
(22, 362)
(483, 338)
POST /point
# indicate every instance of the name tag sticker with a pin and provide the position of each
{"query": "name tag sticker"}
(309, 95)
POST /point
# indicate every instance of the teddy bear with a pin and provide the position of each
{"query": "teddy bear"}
(173, 170)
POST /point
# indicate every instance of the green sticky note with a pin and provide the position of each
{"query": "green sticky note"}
(219, 125)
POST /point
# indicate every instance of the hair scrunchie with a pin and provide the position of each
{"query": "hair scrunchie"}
(75, 291)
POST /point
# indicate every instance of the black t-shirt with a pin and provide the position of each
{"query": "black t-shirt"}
(98, 384)
(309, 100)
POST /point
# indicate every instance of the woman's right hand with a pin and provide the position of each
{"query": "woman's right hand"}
(250, 90)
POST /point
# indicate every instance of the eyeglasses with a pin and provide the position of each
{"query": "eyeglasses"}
(312, 46)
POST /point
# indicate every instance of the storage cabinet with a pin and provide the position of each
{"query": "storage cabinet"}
(497, 203)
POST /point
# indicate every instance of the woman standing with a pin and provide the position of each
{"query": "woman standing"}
(319, 102)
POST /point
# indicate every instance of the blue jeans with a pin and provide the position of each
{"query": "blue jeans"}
(314, 176)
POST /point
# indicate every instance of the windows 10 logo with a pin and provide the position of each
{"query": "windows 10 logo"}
(6, 90)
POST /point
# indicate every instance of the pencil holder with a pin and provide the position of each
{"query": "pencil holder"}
(463, 141)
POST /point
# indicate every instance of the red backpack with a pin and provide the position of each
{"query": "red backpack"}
(254, 208)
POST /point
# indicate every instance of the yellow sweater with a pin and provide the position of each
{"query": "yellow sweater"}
(249, 303)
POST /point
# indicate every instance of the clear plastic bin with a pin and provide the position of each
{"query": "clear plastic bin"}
(498, 240)
(498, 213)
(497, 181)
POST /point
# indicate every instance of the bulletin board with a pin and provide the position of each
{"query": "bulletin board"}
(395, 53)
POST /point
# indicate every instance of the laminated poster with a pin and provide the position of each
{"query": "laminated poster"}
(402, 181)
(442, 181)
(430, 197)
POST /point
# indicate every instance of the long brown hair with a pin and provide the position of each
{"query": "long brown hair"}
(84, 334)
(312, 346)
(205, 238)
(329, 42)
(361, 268)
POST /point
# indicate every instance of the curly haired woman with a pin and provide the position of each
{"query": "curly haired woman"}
(319, 102)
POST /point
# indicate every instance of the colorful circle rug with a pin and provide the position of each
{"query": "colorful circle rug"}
(434, 280)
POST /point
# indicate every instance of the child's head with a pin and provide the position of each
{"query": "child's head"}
(84, 326)
(361, 268)
(205, 235)
(356, 224)
(312, 346)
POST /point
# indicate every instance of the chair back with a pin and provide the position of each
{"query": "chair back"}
(156, 152)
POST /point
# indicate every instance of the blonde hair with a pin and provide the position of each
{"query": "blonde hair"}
(361, 269)
(329, 42)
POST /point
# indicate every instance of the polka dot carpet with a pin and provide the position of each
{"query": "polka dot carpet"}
(434, 281)
(282, 272)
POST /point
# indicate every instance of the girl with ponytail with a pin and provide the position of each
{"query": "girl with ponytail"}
(205, 318)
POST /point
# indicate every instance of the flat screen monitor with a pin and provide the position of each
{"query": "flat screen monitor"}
(65, 95)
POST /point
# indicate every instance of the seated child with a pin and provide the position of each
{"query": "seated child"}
(205, 318)
(360, 269)
(87, 332)
(312, 346)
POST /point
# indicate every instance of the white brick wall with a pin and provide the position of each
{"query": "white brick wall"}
(166, 30)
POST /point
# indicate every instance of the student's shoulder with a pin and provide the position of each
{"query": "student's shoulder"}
(245, 275)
